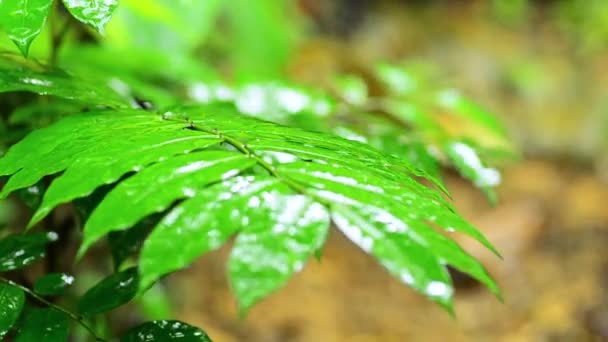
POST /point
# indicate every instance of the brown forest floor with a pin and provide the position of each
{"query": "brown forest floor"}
(551, 226)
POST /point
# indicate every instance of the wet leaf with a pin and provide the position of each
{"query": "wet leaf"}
(282, 233)
(125, 243)
(43, 325)
(165, 331)
(200, 224)
(158, 186)
(235, 174)
(17, 74)
(20, 250)
(95, 13)
(469, 164)
(23, 20)
(12, 299)
(112, 292)
(53, 284)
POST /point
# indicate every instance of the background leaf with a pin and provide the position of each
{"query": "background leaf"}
(165, 331)
(23, 20)
(95, 13)
(12, 299)
(20, 250)
(43, 325)
(53, 284)
(112, 292)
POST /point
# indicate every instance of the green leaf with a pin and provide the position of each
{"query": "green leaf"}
(261, 182)
(125, 243)
(468, 163)
(112, 292)
(165, 331)
(352, 89)
(95, 13)
(23, 20)
(17, 74)
(43, 325)
(12, 299)
(155, 188)
(198, 225)
(20, 250)
(53, 284)
(282, 232)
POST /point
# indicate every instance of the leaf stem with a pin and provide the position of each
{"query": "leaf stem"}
(243, 148)
(39, 298)
(57, 37)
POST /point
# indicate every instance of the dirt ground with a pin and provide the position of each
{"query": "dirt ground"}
(551, 226)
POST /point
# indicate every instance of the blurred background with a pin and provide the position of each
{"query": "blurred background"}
(541, 66)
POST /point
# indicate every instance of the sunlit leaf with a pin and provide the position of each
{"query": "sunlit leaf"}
(17, 74)
(282, 232)
(12, 299)
(272, 186)
(112, 292)
(469, 164)
(23, 20)
(43, 325)
(95, 13)
(165, 331)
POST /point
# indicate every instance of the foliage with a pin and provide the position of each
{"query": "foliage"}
(162, 157)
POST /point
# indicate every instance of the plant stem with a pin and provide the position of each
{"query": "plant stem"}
(57, 37)
(39, 298)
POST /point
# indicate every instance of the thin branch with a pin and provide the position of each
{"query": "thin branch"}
(57, 37)
(70, 314)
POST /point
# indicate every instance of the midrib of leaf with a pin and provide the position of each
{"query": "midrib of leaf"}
(246, 150)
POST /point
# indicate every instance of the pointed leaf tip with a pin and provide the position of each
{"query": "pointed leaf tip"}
(23, 20)
(95, 13)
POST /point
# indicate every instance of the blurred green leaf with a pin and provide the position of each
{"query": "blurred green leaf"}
(53, 284)
(165, 331)
(23, 20)
(19, 75)
(352, 89)
(12, 299)
(43, 325)
(112, 292)
(468, 163)
(95, 13)
(262, 38)
(20, 250)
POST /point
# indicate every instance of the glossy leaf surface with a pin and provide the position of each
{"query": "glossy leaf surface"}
(20, 250)
(112, 292)
(53, 284)
(273, 186)
(12, 299)
(43, 325)
(23, 20)
(155, 188)
(17, 74)
(282, 233)
(164, 330)
(95, 13)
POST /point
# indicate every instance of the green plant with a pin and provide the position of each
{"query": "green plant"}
(162, 157)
